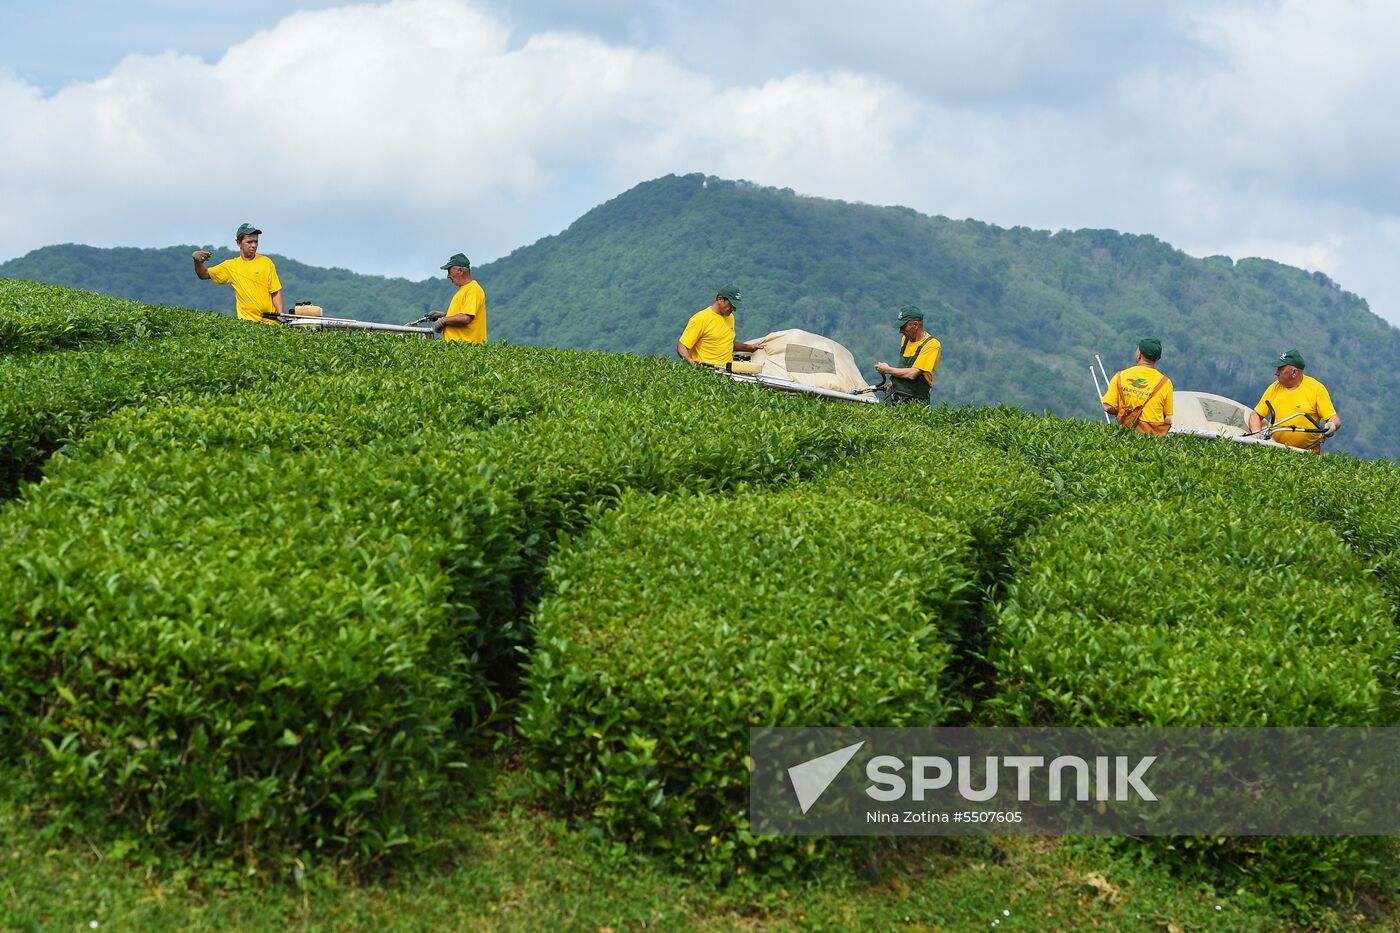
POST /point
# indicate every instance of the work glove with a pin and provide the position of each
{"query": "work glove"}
(1331, 429)
(439, 325)
(201, 255)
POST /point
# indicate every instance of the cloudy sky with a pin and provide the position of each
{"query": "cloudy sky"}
(384, 136)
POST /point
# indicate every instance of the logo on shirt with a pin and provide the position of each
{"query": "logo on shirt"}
(1138, 383)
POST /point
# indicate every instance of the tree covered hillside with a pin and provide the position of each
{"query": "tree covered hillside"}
(1020, 312)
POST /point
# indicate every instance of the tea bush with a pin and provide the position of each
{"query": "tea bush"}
(46, 317)
(1196, 612)
(919, 468)
(205, 517)
(1362, 502)
(677, 624)
(226, 660)
(1189, 614)
(273, 579)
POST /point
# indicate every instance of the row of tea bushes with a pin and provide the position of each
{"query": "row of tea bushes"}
(1201, 583)
(221, 659)
(569, 445)
(47, 400)
(1191, 613)
(266, 621)
(1362, 502)
(677, 623)
(46, 317)
(913, 468)
(1207, 584)
(391, 387)
(1096, 463)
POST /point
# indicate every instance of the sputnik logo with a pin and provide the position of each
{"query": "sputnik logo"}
(811, 778)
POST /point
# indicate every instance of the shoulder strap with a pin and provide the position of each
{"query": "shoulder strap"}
(1131, 417)
(917, 350)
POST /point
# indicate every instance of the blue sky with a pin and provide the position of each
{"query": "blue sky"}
(380, 135)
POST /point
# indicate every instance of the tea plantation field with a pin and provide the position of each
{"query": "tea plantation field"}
(349, 630)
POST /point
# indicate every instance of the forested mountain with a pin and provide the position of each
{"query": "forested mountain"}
(1020, 312)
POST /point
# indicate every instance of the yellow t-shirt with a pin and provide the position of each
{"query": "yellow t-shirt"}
(710, 336)
(470, 299)
(253, 281)
(927, 360)
(1311, 397)
(1138, 382)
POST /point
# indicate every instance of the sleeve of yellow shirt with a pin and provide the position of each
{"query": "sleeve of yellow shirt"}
(1168, 402)
(927, 360)
(1324, 403)
(274, 284)
(219, 274)
(1111, 397)
(691, 336)
(473, 301)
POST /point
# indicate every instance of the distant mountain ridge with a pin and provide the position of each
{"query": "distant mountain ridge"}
(1020, 312)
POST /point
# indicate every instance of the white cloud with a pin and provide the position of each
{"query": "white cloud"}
(379, 136)
(1320, 255)
(414, 114)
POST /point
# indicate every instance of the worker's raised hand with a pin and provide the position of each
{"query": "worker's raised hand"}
(201, 255)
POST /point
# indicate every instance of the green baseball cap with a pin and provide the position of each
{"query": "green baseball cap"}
(909, 313)
(245, 230)
(1290, 358)
(1151, 348)
(458, 260)
(732, 293)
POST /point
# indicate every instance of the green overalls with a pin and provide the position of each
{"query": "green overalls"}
(910, 390)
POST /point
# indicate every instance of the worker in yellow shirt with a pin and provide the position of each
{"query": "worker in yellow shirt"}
(919, 353)
(465, 317)
(1293, 396)
(1139, 397)
(256, 288)
(708, 339)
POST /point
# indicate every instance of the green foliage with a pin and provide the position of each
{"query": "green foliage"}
(268, 584)
(41, 317)
(263, 601)
(1362, 502)
(918, 467)
(1178, 613)
(676, 625)
(231, 661)
(1198, 584)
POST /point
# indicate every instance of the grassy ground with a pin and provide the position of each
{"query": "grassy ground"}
(509, 865)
